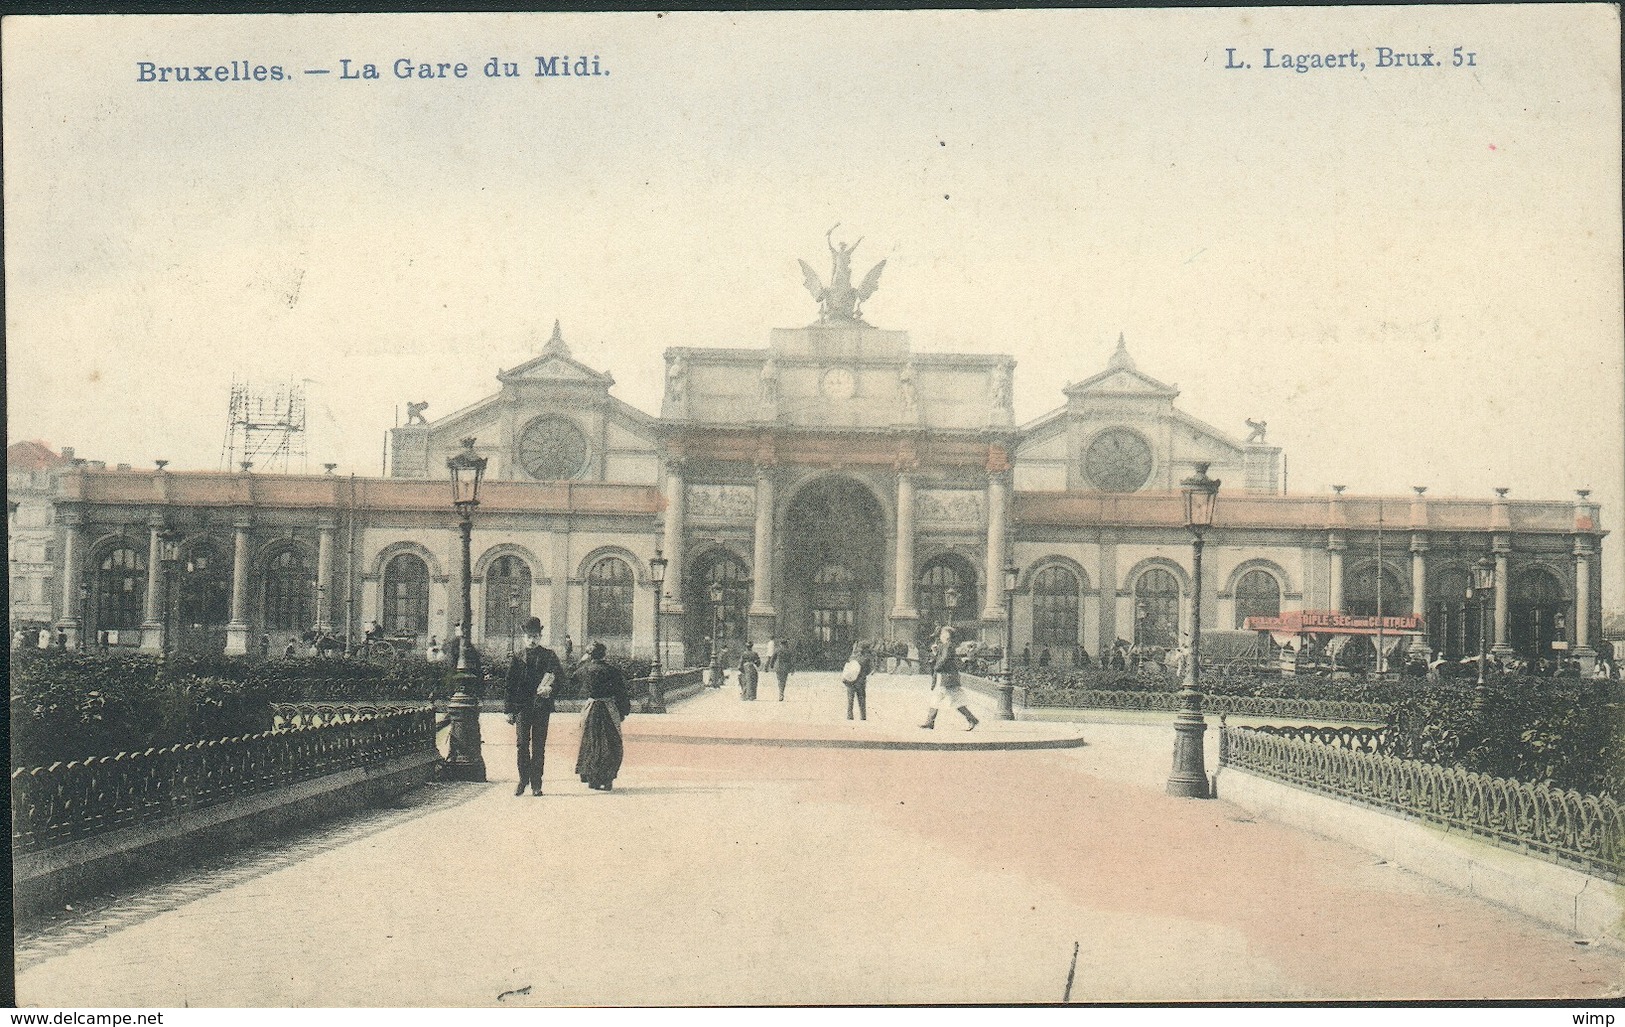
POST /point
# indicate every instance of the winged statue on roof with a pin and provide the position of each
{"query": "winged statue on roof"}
(839, 301)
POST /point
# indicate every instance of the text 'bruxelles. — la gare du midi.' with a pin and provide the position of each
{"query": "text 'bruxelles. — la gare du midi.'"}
(351, 70)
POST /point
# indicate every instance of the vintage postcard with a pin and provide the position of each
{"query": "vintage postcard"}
(815, 508)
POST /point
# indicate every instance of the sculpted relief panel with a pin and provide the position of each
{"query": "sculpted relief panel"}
(722, 501)
(949, 506)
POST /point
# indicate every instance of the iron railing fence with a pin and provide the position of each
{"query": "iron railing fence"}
(65, 802)
(1561, 825)
(320, 714)
(1230, 705)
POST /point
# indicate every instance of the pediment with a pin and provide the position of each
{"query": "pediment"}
(1122, 382)
(555, 368)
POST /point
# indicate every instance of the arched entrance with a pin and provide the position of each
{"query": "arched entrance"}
(1538, 612)
(728, 622)
(835, 570)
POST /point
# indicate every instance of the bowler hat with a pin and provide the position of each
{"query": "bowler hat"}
(533, 626)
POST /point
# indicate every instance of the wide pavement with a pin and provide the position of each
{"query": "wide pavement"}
(719, 873)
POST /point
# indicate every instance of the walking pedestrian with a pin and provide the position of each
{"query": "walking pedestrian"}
(532, 677)
(946, 692)
(265, 646)
(855, 675)
(608, 703)
(750, 669)
(781, 663)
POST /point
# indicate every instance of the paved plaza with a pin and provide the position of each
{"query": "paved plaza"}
(726, 868)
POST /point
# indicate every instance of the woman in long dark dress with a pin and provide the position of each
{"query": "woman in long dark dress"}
(608, 702)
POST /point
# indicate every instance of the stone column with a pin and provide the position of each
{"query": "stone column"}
(1334, 580)
(904, 613)
(152, 625)
(237, 630)
(324, 579)
(1582, 606)
(1503, 546)
(997, 509)
(675, 498)
(1419, 591)
(72, 577)
(763, 614)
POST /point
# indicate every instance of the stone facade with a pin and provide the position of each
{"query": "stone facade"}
(832, 486)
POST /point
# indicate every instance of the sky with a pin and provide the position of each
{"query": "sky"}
(1413, 274)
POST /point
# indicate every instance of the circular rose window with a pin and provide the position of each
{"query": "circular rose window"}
(552, 448)
(1117, 461)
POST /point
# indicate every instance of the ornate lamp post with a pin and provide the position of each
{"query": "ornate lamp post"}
(513, 623)
(950, 599)
(716, 634)
(1189, 777)
(467, 760)
(84, 613)
(657, 578)
(1007, 688)
(1484, 592)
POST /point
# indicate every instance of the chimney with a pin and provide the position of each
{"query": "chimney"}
(67, 452)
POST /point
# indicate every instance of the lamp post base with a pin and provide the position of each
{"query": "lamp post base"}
(467, 759)
(657, 690)
(1189, 777)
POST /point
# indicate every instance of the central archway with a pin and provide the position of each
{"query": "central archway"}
(835, 570)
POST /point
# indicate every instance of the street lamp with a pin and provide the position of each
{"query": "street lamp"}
(466, 761)
(657, 578)
(84, 613)
(1189, 776)
(1483, 590)
(716, 634)
(950, 600)
(1012, 578)
(513, 622)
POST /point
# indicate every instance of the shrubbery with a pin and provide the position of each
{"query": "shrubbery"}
(69, 705)
(1564, 731)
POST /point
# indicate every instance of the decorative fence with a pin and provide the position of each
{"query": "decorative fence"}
(63, 802)
(1231, 705)
(675, 687)
(1355, 739)
(1585, 831)
(321, 714)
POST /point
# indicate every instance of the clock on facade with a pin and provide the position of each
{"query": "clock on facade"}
(552, 448)
(1118, 460)
(838, 383)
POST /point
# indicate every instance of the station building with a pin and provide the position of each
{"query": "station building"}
(831, 485)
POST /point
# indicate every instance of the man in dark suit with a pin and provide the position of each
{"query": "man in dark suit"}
(532, 676)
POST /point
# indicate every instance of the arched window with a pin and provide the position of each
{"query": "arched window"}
(1360, 593)
(947, 594)
(1055, 608)
(205, 587)
(406, 595)
(121, 590)
(290, 590)
(1156, 608)
(609, 599)
(1452, 615)
(507, 596)
(1258, 594)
